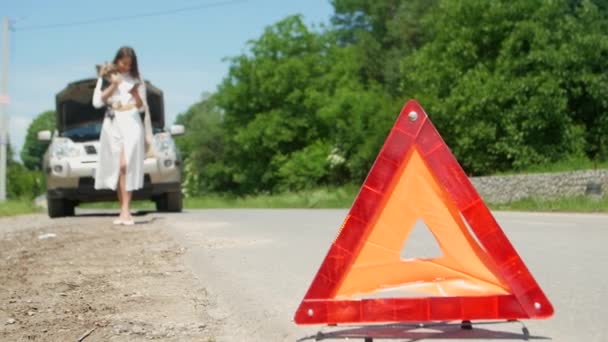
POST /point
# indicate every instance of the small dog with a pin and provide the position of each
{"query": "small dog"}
(106, 70)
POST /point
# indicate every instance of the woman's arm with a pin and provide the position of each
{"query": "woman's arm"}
(139, 94)
(97, 101)
(100, 97)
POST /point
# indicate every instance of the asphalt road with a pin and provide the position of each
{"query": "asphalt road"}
(258, 264)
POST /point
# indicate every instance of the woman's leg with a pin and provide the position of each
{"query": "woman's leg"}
(119, 190)
(119, 185)
(125, 196)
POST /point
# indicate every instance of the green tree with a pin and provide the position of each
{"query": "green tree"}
(511, 84)
(203, 147)
(21, 182)
(33, 150)
(297, 114)
(269, 98)
(383, 31)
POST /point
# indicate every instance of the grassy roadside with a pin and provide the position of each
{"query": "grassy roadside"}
(320, 198)
(18, 207)
(578, 204)
(568, 165)
(341, 198)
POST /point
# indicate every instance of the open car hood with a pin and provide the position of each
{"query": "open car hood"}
(74, 105)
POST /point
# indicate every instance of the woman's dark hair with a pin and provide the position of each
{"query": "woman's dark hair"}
(127, 51)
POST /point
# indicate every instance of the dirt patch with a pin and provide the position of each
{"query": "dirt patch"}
(61, 279)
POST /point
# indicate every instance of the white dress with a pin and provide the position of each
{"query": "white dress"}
(124, 130)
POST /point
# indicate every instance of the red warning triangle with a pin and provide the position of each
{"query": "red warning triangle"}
(479, 274)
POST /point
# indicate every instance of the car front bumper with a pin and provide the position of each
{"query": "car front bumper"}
(74, 180)
(86, 192)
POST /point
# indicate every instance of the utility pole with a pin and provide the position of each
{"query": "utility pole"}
(3, 109)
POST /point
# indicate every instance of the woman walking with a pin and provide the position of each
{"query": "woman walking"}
(121, 151)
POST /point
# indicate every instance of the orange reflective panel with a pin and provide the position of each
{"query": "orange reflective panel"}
(464, 268)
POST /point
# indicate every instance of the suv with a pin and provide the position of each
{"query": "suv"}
(71, 158)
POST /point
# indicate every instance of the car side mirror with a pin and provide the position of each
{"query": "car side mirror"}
(44, 135)
(177, 130)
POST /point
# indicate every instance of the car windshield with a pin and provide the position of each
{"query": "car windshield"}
(91, 130)
(84, 131)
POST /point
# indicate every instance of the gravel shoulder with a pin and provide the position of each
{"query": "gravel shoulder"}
(64, 278)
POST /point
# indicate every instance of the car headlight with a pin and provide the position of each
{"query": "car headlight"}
(64, 148)
(163, 143)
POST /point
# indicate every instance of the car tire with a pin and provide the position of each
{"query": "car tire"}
(58, 207)
(171, 202)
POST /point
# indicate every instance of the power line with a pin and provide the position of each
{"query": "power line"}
(129, 17)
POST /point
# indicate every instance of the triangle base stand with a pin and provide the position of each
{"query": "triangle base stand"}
(412, 331)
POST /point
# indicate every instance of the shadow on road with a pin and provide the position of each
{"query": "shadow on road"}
(139, 214)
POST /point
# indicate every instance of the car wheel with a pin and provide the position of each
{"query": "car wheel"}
(68, 207)
(170, 202)
(58, 207)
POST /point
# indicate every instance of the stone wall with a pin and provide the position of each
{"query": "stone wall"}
(503, 189)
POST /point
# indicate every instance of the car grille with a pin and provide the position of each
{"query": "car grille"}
(89, 182)
(86, 182)
(90, 149)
